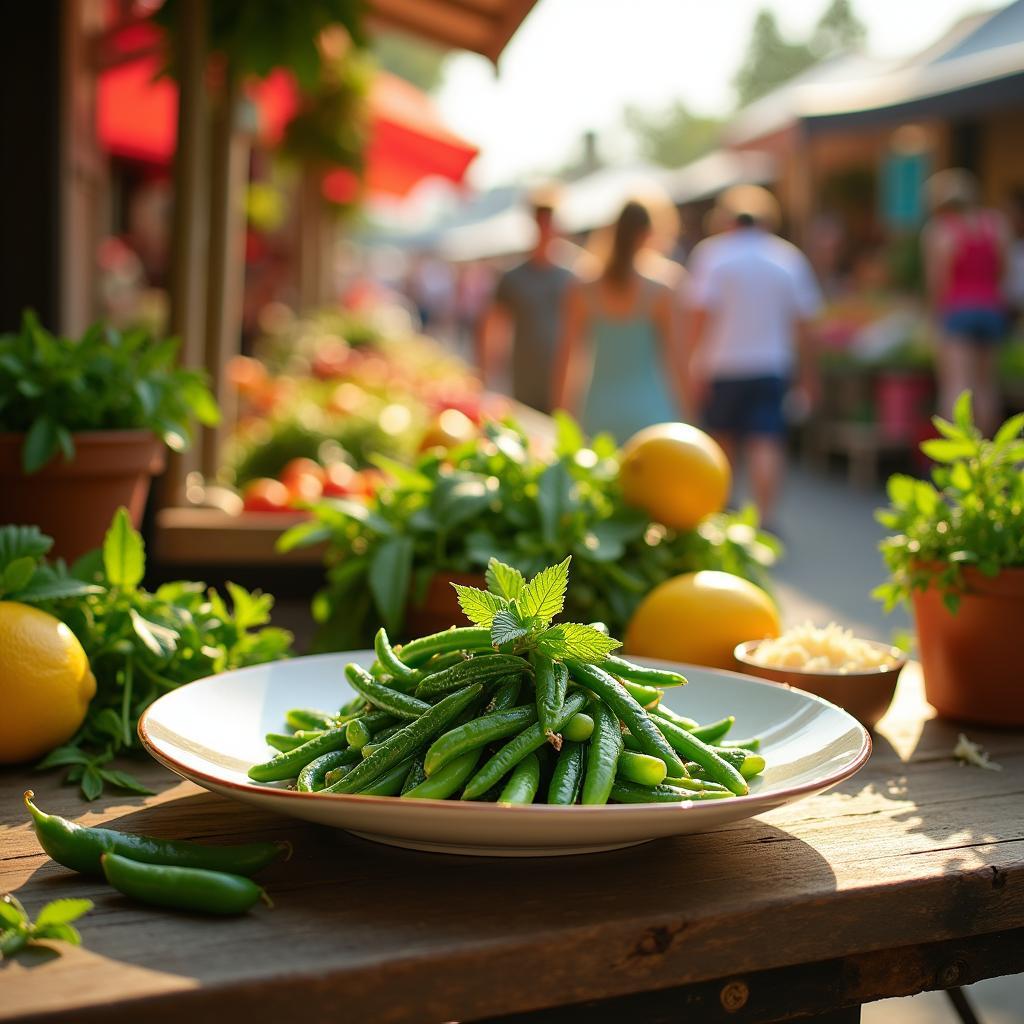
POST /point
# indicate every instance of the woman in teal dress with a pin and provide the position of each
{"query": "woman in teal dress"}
(619, 366)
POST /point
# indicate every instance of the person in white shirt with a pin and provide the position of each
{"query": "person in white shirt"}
(753, 296)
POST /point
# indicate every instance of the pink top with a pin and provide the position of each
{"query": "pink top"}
(974, 262)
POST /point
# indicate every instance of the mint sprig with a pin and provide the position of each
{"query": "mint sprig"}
(17, 929)
(519, 614)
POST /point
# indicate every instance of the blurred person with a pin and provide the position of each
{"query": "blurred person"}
(966, 250)
(474, 287)
(619, 363)
(753, 297)
(1015, 262)
(432, 289)
(520, 328)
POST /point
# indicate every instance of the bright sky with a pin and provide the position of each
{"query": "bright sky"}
(574, 64)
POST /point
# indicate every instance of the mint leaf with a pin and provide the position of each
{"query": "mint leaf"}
(159, 640)
(124, 559)
(251, 608)
(92, 783)
(124, 781)
(508, 627)
(63, 755)
(503, 580)
(479, 606)
(543, 597)
(575, 640)
(12, 913)
(64, 932)
(62, 912)
(22, 541)
(962, 414)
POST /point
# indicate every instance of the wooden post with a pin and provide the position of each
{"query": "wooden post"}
(314, 235)
(229, 173)
(191, 212)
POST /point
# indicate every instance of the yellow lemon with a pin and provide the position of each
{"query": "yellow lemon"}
(700, 617)
(45, 683)
(676, 473)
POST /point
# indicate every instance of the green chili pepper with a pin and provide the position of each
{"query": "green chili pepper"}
(414, 776)
(523, 783)
(481, 669)
(388, 783)
(285, 741)
(80, 848)
(506, 695)
(289, 763)
(661, 711)
(565, 779)
(657, 677)
(313, 777)
(198, 889)
(603, 754)
(390, 660)
(447, 781)
(718, 769)
(551, 680)
(396, 703)
(714, 731)
(308, 718)
(463, 638)
(360, 731)
(631, 793)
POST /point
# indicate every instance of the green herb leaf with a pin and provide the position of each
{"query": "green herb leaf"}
(544, 596)
(64, 932)
(62, 912)
(250, 608)
(554, 500)
(508, 627)
(1009, 431)
(947, 450)
(12, 942)
(55, 588)
(124, 559)
(503, 580)
(22, 542)
(92, 783)
(576, 640)
(390, 571)
(303, 535)
(41, 444)
(479, 606)
(18, 573)
(962, 415)
(12, 913)
(61, 756)
(569, 438)
(157, 639)
(123, 780)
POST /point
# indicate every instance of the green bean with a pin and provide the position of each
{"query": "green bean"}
(579, 728)
(641, 768)
(631, 793)
(396, 703)
(658, 677)
(524, 781)
(314, 776)
(646, 696)
(414, 776)
(603, 753)
(516, 749)
(635, 718)
(198, 889)
(661, 711)
(388, 783)
(476, 734)
(714, 731)
(630, 742)
(745, 762)
(390, 659)
(336, 773)
(407, 741)
(380, 736)
(284, 741)
(693, 749)
(360, 731)
(564, 787)
(697, 785)
(506, 695)
(447, 781)
(462, 638)
(441, 661)
(308, 718)
(289, 763)
(483, 668)
(752, 744)
(551, 681)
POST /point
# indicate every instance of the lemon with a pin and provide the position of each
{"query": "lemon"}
(700, 617)
(45, 682)
(676, 473)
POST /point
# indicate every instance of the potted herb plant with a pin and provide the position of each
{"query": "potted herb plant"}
(84, 424)
(441, 520)
(957, 555)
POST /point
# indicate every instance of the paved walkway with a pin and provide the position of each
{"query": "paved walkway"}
(831, 565)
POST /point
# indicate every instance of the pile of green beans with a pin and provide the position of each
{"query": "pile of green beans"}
(171, 873)
(448, 716)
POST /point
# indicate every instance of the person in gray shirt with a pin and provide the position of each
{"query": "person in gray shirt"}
(526, 311)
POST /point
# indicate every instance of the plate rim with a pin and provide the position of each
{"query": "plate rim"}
(262, 790)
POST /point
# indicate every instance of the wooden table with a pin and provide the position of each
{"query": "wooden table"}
(909, 876)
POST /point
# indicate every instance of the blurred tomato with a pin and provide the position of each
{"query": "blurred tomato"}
(248, 376)
(342, 481)
(331, 359)
(450, 428)
(373, 480)
(302, 467)
(265, 495)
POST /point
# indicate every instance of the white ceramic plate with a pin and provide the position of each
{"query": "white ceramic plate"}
(212, 730)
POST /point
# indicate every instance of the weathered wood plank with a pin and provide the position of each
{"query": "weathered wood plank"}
(914, 850)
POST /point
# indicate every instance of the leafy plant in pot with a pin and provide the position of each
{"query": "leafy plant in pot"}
(84, 424)
(957, 556)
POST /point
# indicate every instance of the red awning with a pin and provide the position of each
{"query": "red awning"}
(408, 142)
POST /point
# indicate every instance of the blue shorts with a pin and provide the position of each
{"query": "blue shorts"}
(751, 405)
(980, 325)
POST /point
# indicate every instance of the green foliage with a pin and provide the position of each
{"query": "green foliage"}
(838, 30)
(971, 514)
(51, 387)
(142, 644)
(672, 136)
(24, 574)
(493, 508)
(53, 922)
(770, 60)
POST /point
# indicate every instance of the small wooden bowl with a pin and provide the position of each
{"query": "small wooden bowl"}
(866, 695)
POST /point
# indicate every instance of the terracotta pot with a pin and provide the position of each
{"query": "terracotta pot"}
(971, 659)
(440, 607)
(74, 502)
